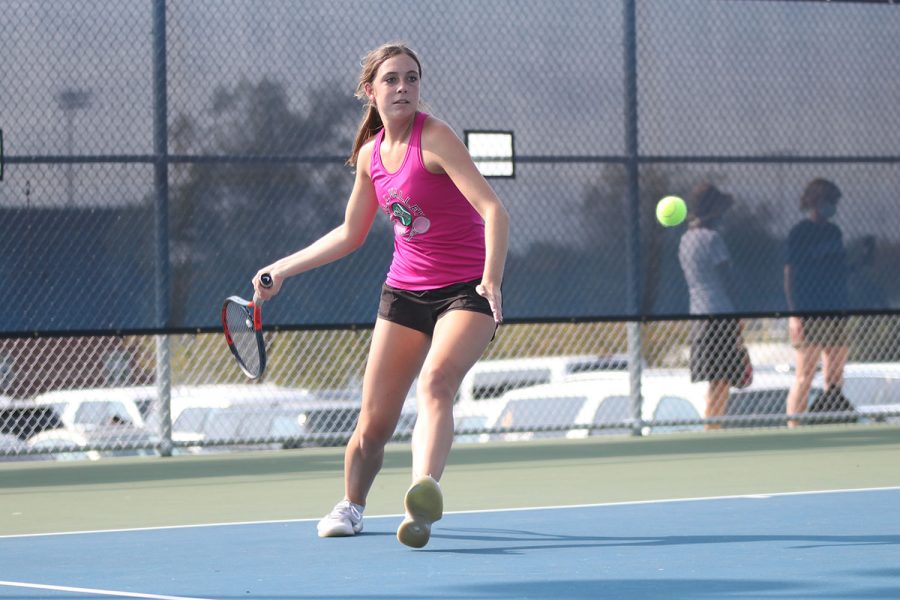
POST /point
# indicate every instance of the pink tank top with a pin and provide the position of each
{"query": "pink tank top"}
(438, 235)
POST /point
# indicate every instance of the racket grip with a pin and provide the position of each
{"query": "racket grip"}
(265, 280)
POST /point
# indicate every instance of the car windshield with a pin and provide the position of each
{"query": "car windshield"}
(872, 391)
(674, 408)
(241, 422)
(542, 412)
(191, 420)
(613, 409)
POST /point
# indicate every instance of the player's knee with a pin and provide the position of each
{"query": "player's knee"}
(804, 382)
(371, 437)
(437, 386)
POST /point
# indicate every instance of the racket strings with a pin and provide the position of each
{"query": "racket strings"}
(240, 325)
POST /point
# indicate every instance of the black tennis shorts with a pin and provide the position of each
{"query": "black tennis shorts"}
(421, 310)
(827, 332)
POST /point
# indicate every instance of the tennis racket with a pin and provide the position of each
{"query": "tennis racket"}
(242, 323)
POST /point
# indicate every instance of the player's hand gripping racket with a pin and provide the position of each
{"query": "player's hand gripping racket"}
(242, 322)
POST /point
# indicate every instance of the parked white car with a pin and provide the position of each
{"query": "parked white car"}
(599, 403)
(86, 408)
(489, 379)
(12, 448)
(95, 443)
(265, 425)
(89, 408)
(492, 378)
(190, 398)
(551, 409)
(22, 418)
(216, 415)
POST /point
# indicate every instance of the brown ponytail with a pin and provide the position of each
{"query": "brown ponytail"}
(368, 127)
(371, 121)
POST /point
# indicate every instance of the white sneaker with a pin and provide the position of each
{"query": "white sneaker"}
(346, 518)
(424, 504)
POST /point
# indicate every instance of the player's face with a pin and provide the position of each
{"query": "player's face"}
(395, 89)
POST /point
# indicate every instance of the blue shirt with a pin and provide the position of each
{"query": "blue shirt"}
(817, 257)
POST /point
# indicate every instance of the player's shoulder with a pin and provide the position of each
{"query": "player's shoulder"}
(438, 129)
(439, 138)
(368, 147)
(799, 228)
(364, 158)
(701, 232)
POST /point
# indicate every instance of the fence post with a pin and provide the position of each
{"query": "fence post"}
(635, 361)
(161, 189)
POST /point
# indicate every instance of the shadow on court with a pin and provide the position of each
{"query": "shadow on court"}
(668, 588)
(509, 541)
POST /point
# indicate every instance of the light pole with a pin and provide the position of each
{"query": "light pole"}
(71, 100)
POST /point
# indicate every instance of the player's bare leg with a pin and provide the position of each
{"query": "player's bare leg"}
(395, 356)
(716, 401)
(834, 359)
(460, 339)
(806, 359)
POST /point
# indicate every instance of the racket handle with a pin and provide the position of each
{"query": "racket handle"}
(265, 280)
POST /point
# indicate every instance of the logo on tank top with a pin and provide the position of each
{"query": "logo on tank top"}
(409, 220)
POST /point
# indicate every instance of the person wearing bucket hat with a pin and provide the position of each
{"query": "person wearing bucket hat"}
(816, 281)
(707, 204)
(716, 344)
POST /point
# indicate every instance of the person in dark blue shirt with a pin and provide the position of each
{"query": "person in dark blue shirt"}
(815, 281)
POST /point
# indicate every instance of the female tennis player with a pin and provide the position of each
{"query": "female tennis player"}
(440, 304)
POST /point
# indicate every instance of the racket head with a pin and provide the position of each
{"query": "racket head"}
(242, 324)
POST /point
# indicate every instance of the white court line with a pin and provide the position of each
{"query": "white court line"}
(754, 496)
(78, 590)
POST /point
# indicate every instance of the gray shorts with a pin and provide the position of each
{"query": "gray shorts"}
(714, 350)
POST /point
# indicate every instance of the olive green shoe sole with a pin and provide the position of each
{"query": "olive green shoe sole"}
(424, 505)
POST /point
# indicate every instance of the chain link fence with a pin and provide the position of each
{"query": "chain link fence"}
(157, 153)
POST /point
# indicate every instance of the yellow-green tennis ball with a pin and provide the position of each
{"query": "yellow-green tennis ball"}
(671, 211)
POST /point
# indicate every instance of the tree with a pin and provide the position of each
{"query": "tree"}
(263, 181)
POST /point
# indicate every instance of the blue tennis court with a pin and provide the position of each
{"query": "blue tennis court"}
(830, 544)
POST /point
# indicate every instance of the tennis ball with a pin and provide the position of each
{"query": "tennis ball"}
(671, 211)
